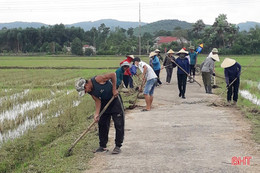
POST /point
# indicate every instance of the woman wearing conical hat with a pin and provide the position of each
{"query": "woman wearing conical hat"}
(183, 62)
(232, 71)
(169, 65)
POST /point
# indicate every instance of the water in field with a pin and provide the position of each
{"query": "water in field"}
(18, 113)
(247, 95)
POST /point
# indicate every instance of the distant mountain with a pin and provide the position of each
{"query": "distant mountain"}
(85, 25)
(108, 22)
(21, 25)
(247, 25)
(167, 25)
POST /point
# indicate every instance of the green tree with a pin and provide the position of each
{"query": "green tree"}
(76, 47)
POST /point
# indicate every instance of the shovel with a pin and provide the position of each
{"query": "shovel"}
(89, 127)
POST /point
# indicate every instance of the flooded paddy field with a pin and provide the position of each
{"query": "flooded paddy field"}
(39, 108)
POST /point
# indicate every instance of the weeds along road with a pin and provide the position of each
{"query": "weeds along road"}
(181, 135)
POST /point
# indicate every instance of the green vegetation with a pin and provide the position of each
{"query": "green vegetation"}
(58, 39)
(47, 114)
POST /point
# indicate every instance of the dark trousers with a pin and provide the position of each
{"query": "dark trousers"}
(182, 80)
(119, 123)
(157, 72)
(206, 77)
(192, 70)
(233, 90)
(169, 74)
(104, 124)
(126, 80)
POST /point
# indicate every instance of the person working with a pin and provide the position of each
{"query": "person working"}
(102, 88)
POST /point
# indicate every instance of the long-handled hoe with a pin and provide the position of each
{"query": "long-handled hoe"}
(69, 152)
(225, 90)
(186, 73)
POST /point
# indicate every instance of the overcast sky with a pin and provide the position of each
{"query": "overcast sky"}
(73, 11)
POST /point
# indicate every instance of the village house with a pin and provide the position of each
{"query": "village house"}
(158, 41)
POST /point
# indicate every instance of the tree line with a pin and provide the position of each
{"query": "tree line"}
(54, 39)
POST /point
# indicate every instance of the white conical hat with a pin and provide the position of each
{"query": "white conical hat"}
(182, 51)
(131, 56)
(170, 51)
(215, 57)
(228, 62)
(152, 54)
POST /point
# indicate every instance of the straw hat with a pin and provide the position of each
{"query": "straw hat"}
(228, 62)
(215, 57)
(131, 56)
(170, 51)
(157, 50)
(152, 54)
(182, 51)
(214, 50)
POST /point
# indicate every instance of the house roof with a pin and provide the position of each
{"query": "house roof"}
(167, 39)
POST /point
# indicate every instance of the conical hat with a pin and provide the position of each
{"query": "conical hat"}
(215, 57)
(170, 51)
(182, 51)
(157, 50)
(152, 54)
(228, 62)
(131, 56)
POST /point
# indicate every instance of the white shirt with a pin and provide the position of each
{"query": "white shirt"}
(150, 74)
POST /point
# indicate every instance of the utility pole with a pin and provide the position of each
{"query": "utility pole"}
(140, 29)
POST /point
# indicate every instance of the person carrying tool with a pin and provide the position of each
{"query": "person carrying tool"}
(208, 69)
(120, 73)
(156, 66)
(127, 78)
(232, 71)
(183, 62)
(150, 77)
(169, 65)
(193, 62)
(102, 88)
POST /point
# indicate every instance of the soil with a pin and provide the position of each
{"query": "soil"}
(181, 135)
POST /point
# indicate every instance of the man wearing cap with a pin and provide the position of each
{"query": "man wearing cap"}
(102, 88)
(120, 73)
(193, 62)
(127, 74)
(156, 66)
(169, 65)
(150, 77)
(183, 62)
(232, 71)
(208, 69)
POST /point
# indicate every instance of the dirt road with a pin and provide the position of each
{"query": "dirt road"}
(181, 135)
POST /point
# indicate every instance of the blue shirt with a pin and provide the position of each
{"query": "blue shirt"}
(184, 63)
(133, 70)
(193, 57)
(119, 76)
(156, 63)
(232, 72)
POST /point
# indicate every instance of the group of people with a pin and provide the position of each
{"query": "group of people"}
(103, 87)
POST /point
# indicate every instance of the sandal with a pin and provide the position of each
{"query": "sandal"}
(144, 110)
(101, 150)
